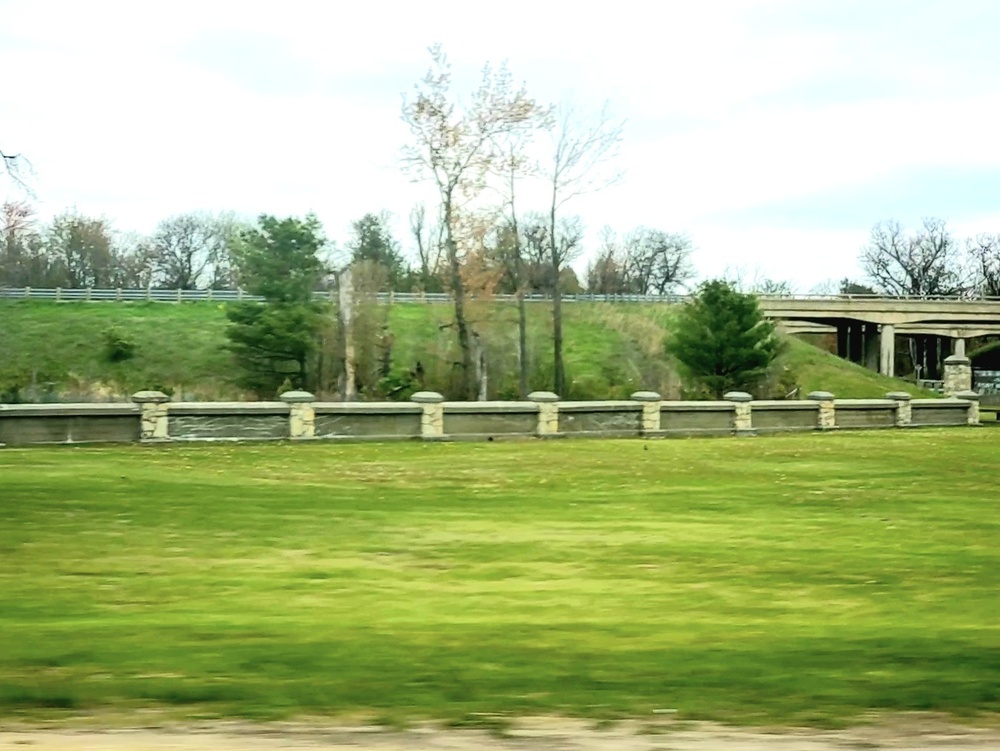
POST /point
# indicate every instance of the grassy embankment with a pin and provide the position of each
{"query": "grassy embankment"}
(611, 350)
(800, 580)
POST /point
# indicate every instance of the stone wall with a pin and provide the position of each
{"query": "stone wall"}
(153, 418)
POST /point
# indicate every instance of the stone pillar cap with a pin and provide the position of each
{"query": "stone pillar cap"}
(737, 396)
(898, 396)
(427, 397)
(150, 397)
(820, 396)
(957, 360)
(543, 396)
(971, 396)
(646, 396)
(297, 396)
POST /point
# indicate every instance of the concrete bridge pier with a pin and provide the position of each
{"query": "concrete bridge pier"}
(871, 347)
(958, 346)
(887, 347)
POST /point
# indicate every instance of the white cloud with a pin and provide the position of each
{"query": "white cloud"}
(138, 111)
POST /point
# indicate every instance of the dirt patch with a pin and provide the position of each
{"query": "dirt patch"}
(913, 733)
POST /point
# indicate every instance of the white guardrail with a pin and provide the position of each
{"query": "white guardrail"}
(232, 295)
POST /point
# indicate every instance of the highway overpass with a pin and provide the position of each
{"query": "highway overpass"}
(867, 326)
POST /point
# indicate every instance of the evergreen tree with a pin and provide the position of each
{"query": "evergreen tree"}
(372, 241)
(274, 341)
(723, 339)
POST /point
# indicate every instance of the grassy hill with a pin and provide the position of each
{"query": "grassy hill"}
(51, 351)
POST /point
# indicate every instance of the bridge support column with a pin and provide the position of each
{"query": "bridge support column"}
(958, 347)
(843, 337)
(887, 354)
(871, 346)
(856, 342)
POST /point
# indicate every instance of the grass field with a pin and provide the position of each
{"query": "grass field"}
(610, 351)
(805, 579)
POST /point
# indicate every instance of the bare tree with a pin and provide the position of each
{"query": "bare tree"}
(192, 251)
(455, 147)
(583, 147)
(82, 249)
(755, 281)
(514, 165)
(925, 264)
(607, 273)
(134, 261)
(984, 251)
(23, 262)
(430, 240)
(657, 262)
(17, 169)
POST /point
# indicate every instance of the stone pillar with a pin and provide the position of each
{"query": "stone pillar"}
(827, 409)
(887, 356)
(154, 424)
(548, 411)
(301, 415)
(744, 412)
(904, 410)
(958, 347)
(957, 375)
(973, 399)
(650, 401)
(432, 417)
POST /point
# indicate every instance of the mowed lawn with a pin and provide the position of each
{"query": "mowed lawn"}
(803, 579)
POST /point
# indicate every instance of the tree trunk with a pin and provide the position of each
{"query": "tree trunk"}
(559, 381)
(482, 383)
(469, 386)
(522, 345)
(346, 311)
(559, 376)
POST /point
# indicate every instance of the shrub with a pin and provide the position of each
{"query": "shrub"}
(118, 346)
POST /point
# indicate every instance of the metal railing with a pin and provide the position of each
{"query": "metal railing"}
(60, 294)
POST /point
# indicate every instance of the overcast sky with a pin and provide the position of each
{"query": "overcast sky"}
(774, 133)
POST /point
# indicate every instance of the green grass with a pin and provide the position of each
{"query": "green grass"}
(817, 370)
(610, 351)
(803, 579)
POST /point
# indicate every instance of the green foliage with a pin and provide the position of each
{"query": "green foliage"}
(608, 349)
(279, 258)
(804, 579)
(372, 241)
(274, 341)
(118, 346)
(723, 339)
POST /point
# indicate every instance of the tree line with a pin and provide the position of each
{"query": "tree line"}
(506, 171)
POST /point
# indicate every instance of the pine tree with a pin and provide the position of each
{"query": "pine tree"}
(723, 339)
(274, 341)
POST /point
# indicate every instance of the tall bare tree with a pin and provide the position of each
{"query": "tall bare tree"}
(191, 251)
(583, 148)
(429, 238)
(514, 165)
(926, 263)
(923, 264)
(455, 147)
(984, 251)
(657, 262)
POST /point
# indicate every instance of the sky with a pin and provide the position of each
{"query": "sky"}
(774, 133)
